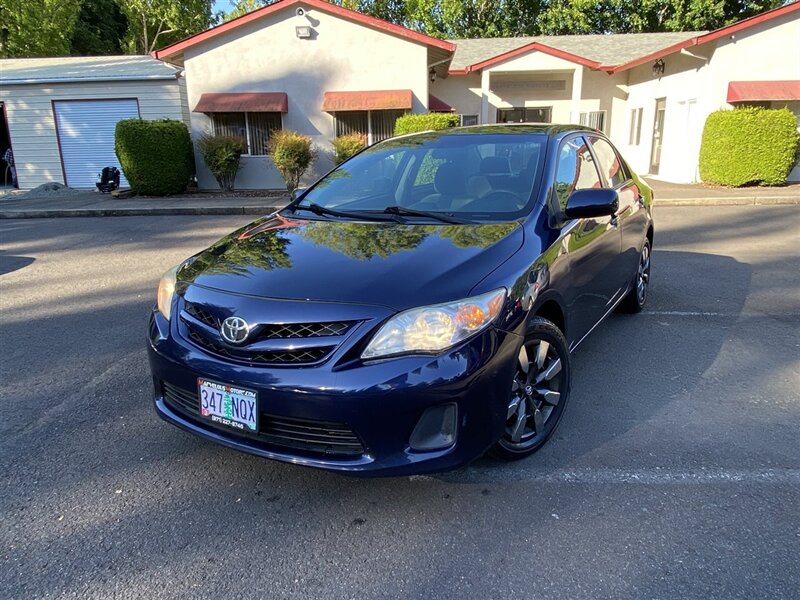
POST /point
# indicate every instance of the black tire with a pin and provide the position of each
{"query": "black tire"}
(637, 297)
(538, 396)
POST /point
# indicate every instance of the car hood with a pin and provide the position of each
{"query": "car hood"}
(388, 264)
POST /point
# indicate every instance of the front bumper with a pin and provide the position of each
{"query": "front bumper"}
(380, 402)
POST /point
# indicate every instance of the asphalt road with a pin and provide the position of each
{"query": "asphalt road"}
(675, 472)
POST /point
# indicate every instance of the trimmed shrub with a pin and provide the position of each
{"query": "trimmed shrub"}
(222, 155)
(346, 146)
(749, 146)
(426, 122)
(292, 154)
(156, 156)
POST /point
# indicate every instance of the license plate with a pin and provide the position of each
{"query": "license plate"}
(228, 405)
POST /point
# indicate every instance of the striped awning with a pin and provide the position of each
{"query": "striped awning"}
(369, 100)
(243, 102)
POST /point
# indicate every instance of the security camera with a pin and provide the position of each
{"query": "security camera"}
(300, 11)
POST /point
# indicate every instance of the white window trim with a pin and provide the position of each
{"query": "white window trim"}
(604, 112)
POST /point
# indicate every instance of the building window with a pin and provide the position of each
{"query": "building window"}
(469, 120)
(595, 119)
(375, 125)
(537, 114)
(635, 133)
(254, 128)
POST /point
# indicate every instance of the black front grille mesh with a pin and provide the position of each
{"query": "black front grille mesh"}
(260, 332)
(303, 355)
(315, 437)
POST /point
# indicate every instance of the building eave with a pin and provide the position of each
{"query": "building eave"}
(170, 53)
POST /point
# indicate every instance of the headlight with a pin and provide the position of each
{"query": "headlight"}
(431, 329)
(166, 290)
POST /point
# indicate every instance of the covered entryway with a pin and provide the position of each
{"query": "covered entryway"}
(85, 130)
(7, 168)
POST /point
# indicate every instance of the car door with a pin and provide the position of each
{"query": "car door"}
(592, 244)
(631, 215)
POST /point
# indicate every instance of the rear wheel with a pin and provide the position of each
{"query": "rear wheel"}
(635, 300)
(539, 392)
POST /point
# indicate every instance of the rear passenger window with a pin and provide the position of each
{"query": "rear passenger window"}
(575, 171)
(609, 163)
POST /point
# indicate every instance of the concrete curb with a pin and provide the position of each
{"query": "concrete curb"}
(265, 210)
(137, 212)
(730, 201)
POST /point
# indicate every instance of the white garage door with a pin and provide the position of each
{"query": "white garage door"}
(86, 136)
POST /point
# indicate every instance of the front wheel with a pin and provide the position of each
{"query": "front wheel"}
(538, 393)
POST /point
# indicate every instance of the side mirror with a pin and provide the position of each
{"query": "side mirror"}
(297, 193)
(593, 202)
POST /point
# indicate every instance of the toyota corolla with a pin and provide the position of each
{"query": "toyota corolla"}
(413, 309)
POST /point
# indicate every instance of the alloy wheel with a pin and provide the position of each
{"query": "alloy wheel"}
(535, 395)
(643, 275)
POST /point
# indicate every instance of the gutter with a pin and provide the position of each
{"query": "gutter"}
(90, 79)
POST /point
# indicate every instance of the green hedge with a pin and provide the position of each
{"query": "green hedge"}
(749, 146)
(426, 122)
(156, 156)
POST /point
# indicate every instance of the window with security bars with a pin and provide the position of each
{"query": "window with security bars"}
(375, 125)
(467, 120)
(254, 128)
(595, 119)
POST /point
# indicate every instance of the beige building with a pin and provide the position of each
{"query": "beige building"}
(58, 114)
(323, 70)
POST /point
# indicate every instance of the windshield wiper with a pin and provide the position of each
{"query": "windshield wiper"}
(321, 210)
(410, 212)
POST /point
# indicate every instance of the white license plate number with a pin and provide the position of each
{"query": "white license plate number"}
(228, 405)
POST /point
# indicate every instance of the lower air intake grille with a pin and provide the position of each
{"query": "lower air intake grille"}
(315, 437)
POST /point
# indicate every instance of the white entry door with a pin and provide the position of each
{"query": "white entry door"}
(86, 137)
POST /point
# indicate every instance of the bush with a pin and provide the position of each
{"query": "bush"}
(292, 154)
(426, 122)
(222, 155)
(346, 146)
(156, 156)
(749, 146)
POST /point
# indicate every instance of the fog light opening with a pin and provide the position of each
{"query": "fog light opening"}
(436, 428)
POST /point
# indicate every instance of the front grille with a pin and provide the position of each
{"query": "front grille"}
(302, 355)
(303, 330)
(315, 437)
(274, 331)
(208, 340)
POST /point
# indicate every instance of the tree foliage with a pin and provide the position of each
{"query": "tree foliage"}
(158, 23)
(100, 29)
(31, 28)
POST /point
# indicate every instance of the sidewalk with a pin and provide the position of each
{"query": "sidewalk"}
(17, 205)
(697, 194)
(94, 204)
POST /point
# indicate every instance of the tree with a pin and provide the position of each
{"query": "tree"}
(158, 23)
(242, 7)
(623, 16)
(30, 28)
(100, 29)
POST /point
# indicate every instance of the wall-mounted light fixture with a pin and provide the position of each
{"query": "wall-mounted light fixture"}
(658, 68)
(432, 74)
(303, 32)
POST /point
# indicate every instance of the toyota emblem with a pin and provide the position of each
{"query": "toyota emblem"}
(234, 330)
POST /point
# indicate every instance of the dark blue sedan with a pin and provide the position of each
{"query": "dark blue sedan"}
(413, 309)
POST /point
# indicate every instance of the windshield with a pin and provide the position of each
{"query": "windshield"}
(475, 176)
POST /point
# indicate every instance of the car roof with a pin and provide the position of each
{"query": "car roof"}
(549, 129)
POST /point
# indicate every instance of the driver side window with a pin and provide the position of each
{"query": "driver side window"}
(575, 170)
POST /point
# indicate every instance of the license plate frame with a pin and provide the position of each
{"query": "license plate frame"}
(231, 406)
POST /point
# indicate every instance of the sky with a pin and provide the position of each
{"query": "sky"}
(223, 5)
